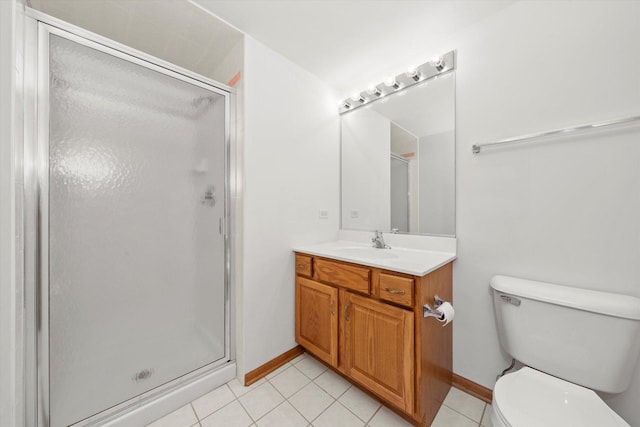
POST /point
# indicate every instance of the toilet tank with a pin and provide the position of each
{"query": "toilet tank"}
(586, 337)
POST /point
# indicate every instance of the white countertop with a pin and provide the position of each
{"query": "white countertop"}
(417, 262)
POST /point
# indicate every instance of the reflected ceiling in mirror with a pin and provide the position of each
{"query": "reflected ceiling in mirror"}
(398, 161)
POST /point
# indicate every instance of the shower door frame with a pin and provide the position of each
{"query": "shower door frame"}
(38, 28)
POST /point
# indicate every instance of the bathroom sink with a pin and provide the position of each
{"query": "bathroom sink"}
(370, 253)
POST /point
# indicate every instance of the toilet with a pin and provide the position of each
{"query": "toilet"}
(572, 341)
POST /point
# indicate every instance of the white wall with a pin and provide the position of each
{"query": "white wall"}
(291, 164)
(366, 176)
(565, 210)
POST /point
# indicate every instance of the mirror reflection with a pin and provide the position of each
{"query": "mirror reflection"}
(398, 161)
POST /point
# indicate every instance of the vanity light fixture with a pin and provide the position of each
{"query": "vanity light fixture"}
(413, 76)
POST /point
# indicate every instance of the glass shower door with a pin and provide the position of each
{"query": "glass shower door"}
(135, 212)
(399, 194)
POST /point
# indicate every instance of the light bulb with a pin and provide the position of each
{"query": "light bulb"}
(374, 90)
(357, 97)
(413, 73)
(438, 63)
(391, 82)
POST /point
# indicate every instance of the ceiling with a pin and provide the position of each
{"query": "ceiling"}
(177, 31)
(351, 44)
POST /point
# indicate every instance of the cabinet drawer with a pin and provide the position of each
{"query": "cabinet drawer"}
(304, 265)
(344, 275)
(396, 289)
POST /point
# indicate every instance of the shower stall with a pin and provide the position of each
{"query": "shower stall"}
(127, 207)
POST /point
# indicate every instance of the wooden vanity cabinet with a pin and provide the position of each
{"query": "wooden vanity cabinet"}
(367, 324)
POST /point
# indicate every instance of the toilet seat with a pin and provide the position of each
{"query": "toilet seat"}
(530, 398)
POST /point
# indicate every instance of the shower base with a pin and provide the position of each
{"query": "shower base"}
(93, 384)
(149, 411)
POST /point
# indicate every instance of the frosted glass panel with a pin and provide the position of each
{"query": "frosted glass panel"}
(136, 196)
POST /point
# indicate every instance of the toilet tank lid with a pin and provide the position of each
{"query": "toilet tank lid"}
(607, 303)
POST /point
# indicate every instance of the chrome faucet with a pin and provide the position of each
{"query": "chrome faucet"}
(378, 241)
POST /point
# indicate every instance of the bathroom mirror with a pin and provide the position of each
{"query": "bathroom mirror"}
(398, 161)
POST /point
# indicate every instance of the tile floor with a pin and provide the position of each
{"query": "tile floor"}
(305, 393)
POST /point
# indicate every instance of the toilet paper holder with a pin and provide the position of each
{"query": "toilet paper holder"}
(427, 311)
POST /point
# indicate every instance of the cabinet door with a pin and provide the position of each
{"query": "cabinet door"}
(379, 348)
(317, 320)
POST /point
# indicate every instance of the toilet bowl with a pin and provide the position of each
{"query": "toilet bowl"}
(530, 398)
(557, 332)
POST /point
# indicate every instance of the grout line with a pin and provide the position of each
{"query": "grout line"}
(310, 423)
(246, 412)
(357, 416)
(245, 409)
(345, 392)
(225, 405)
(301, 359)
(364, 423)
(330, 405)
(194, 411)
(466, 416)
(482, 416)
(296, 409)
(221, 408)
(270, 411)
(303, 374)
(279, 373)
(306, 385)
(374, 414)
(380, 405)
(284, 397)
(278, 405)
(327, 391)
(325, 409)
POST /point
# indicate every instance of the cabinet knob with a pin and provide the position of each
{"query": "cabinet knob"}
(346, 311)
(331, 306)
(302, 266)
(395, 291)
